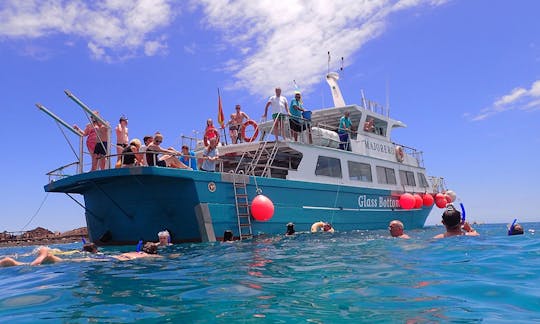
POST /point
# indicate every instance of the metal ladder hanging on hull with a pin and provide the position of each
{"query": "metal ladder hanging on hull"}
(242, 206)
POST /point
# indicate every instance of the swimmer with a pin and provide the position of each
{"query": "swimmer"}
(44, 256)
(396, 229)
(290, 229)
(164, 238)
(451, 219)
(228, 236)
(516, 229)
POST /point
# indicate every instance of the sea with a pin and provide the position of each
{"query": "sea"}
(345, 277)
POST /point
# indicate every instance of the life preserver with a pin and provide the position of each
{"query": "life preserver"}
(206, 137)
(252, 138)
(400, 156)
(316, 227)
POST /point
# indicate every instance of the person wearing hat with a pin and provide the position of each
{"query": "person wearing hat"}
(122, 138)
(451, 218)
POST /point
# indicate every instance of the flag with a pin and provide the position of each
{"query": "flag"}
(220, 116)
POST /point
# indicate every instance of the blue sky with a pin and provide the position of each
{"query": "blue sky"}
(463, 75)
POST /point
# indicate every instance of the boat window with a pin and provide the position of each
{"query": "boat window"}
(375, 125)
(422, 180)
(328, 166)
(407, 178)
(386, 175)
(360, 171)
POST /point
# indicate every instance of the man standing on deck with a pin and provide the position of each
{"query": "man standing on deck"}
(210, 156)
(344, 129)
(279, 111)
(237, 121)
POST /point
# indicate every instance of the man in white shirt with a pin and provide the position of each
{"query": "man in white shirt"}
(279, 111)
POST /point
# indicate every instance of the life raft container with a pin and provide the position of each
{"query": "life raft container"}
(252, 138)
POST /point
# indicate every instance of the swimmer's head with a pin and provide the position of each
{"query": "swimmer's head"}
(150, 248)
(516, 230)
(90, 247)
(164, 237)
(451, 217)
(327, 227)
(290, 229)
(227, 236)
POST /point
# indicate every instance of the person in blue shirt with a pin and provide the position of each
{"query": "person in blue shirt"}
(188, 157)
(296, 120)
(344, 129)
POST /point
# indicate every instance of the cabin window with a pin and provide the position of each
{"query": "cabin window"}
(360, 171)
(328, 166)
(386, 175)
(407, 178)
(422, 179)
(375, 126)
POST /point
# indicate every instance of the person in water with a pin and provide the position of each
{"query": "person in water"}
(516, 229)
(396, 229)
(290, 229)
(451, 218)
(164, 238)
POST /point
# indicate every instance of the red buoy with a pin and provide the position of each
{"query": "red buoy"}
(406, 201)
(441, 201)
(262, 208)
(418, 201)
(428, 200)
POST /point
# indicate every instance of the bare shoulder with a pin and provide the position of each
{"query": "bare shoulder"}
(439, 236)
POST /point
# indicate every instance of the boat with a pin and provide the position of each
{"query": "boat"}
(306, 181)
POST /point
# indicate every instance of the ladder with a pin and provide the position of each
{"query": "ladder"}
(242, 206)
(263, 153)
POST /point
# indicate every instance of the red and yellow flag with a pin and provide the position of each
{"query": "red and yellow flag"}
(220, 115)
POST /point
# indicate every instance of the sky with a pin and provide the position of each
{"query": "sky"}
(463, 75)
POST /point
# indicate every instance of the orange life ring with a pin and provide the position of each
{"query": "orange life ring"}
(252, 138)
(400, 156)
(207, 132)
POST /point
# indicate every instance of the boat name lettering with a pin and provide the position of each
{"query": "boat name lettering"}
(380, 147)
(381, 202)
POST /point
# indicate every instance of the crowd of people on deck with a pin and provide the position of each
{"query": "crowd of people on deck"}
(132, 152)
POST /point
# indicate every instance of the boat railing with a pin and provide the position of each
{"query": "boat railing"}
(59, 173)
(437, 183)
(418, 155)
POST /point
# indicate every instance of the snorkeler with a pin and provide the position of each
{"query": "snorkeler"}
(451, 218)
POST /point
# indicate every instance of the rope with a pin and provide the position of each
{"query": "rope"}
(335, 201)
(35, 214)
(67, 140)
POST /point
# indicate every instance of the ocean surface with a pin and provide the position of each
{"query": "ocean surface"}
(360, 276)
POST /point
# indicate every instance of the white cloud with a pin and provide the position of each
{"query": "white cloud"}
(113, 29)
(289, 39)
(517, 99)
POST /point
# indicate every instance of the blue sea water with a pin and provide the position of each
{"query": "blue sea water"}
(360, 276)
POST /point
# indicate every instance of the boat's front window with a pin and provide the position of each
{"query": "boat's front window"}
(386, 175)
(360, 171)
(328, 166)
(407, 178)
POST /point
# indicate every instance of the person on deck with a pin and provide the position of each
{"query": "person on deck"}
(131, 156)
(188, 157)
(396, 229)
(102, 132)
(279, 111)
(147, 141)
(236, 123)
(344, 129)
(122, 138)
(91, 140)
(210, 156)
(296, 121)
(167, 160)
(369, 125)
(210, 132)
(451, 218)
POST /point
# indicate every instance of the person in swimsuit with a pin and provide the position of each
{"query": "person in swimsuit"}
(396, 229)
(131, 156)
(451, 219)
(122, 138)
(210, 132)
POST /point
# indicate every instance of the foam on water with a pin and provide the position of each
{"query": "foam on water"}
(358, 276)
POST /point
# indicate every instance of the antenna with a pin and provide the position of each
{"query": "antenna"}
(341, 63)
(387, 98)
(328, 62)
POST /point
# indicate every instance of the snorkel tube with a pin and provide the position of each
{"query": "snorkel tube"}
(462, 213)
(511, 229)
(139, 246)
(83, 240)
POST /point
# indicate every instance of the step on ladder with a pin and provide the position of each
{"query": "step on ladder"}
(242, 206)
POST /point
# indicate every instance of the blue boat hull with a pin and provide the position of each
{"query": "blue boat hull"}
(128, 204)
